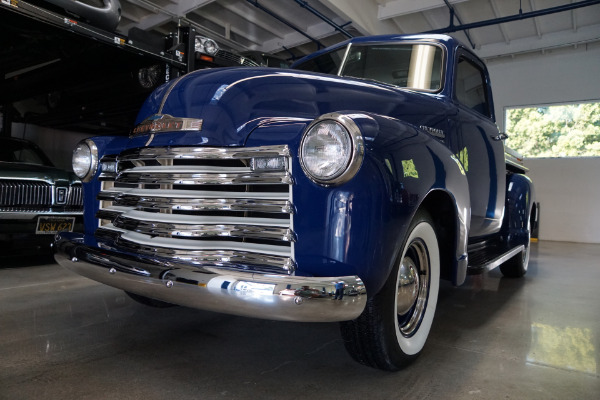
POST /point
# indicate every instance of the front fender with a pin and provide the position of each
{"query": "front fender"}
(430, 177)
(358, 227)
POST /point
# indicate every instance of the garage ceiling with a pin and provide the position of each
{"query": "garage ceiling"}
(58, 76)
(287, 26)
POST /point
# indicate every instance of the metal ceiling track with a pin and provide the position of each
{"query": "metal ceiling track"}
(452, 15)
(339, 28)
(516, 17)
(285, 22)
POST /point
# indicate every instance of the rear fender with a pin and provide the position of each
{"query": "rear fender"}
(520, 197)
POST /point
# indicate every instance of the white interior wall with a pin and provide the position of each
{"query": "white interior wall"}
(568, 189)
(567, 75)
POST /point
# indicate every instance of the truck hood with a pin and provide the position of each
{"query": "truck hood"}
(231, 102)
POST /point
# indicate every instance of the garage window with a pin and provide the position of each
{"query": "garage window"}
(566, 130)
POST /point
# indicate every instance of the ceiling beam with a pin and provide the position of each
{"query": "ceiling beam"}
(294, 39)
(362, 14)
(243, 10)
(397, 8)
(228, 29)
(131, 17)
(518, 17)
(574, 19)
(549, 41)
(501, 27)
(164, 14)
(337, 27)
(286, 22)
(536, 23)
(430, 20)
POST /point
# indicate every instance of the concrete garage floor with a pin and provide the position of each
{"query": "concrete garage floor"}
(65, 337)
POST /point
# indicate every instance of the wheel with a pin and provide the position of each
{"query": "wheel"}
(147, 301)
(516, 266)
(393, 328)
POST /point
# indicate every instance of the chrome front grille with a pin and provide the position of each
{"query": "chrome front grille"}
(225, 207)
(25, 195)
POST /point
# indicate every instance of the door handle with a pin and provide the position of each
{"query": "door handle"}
(500, 136)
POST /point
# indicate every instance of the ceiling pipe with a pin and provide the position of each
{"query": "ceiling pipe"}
(316, 12)
(517, 17)
(285, 22)
(452, 15)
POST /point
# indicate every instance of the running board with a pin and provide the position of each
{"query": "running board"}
(487, 262)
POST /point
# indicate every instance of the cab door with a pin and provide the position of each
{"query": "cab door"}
(481, 150)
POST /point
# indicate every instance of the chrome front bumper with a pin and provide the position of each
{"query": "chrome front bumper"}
(277, 297)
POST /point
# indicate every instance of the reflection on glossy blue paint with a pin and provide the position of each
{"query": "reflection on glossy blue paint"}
(409, 168)
(339, 212)
(568, 348)
(218, 93)
(491, 208)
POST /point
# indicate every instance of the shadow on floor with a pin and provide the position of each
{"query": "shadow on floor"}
(24, 259)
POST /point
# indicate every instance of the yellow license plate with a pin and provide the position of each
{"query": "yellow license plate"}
(53, 225)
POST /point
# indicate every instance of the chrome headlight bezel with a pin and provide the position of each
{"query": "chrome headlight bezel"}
(205, 45)
(85, 160)
(349, 163)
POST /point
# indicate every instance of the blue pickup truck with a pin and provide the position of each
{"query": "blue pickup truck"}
(343, 189)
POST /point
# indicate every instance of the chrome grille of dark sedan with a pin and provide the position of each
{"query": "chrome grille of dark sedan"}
(25, 195)
(236, 58)
(20, 195)
(75, 197)
(222, 207)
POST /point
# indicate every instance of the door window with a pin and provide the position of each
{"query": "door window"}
(470, 87)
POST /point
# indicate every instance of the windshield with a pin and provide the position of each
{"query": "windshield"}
(22, 152)
(413, 66)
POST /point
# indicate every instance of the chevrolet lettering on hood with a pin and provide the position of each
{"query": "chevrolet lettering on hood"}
(166, 123)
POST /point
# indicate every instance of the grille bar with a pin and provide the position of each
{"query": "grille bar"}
(215, 253)
(200, 177)
(201, 204)
(192, 230)
(203, 153)
(75, 196)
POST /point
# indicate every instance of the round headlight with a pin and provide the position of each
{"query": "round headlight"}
(210, 47)
(331, 149)
(85, 160)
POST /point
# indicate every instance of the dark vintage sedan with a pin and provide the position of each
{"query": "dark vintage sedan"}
(37, 200)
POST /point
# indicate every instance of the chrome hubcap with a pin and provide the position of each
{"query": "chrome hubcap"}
(408, 286)
(413, 288)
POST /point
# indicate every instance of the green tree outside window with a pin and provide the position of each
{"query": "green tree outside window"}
(571, 130)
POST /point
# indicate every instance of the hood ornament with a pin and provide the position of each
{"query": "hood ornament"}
(158, 123)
